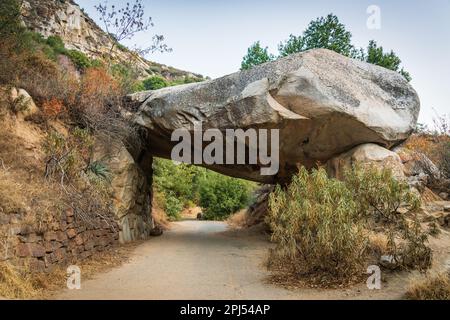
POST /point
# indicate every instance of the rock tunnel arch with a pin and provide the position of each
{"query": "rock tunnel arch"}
(323, 105)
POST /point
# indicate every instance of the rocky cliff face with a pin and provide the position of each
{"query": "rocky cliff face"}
(67, 20)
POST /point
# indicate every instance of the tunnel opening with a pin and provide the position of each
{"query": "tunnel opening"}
(190, 192)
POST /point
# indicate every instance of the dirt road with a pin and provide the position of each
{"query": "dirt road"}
(202, 260)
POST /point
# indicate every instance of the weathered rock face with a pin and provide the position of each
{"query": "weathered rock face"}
(422, 173)
(131, 191)
(323, 104)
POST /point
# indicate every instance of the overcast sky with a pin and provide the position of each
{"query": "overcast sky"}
(211, 37)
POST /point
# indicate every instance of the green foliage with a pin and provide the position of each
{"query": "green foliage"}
(315, 227)
(79, 59)
(293, 45)
(57, 44)
(221, 196)
(173, 206)
(320, 224)
(100, 170)
(154, 83)
(388, 60)
(10, 13)
(380, 196)
(184, 80)
(324, 32)
(329, 33)
(128, 77)
(172, 179)
(185, 185)
(256, 55)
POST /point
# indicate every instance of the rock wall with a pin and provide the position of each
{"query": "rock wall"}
(66, 240)
(131, 190)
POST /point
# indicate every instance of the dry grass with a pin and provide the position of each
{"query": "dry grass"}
(16, 283)
(158, 214)
(22, 183)
(286, 276)
(378, 243)
(239, 219)
(430, 287)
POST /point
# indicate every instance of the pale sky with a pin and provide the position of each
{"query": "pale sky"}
(211, 37)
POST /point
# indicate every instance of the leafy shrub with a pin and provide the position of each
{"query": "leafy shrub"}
(100, 170)
(79, 59)
(315, 227)
(174, 179)
(184, 80)
(57, 44)
(173, 206)
(380, 196)
(320, 225)
(127, 76)
(220, 196)
(154, 83)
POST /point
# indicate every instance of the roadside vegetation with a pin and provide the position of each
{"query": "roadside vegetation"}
(323, 227)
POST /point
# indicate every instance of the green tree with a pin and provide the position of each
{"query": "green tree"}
(293, 45)
(389, 60)
(329, 33)
(256, 55)
(324, 32)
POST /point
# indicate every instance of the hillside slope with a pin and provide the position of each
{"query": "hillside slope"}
(64, 18)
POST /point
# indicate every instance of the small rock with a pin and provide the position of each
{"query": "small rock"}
(79, 240)
(23, 103)
(30, 250)
(156, 231)
(50, 235)
(389, 262)
(71, 233)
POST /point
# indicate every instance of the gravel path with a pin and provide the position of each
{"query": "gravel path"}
(202, 260)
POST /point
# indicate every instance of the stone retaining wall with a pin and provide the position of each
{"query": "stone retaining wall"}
(58, 243)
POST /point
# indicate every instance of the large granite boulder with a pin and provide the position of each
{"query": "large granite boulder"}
(366, 155)
(323, 103)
